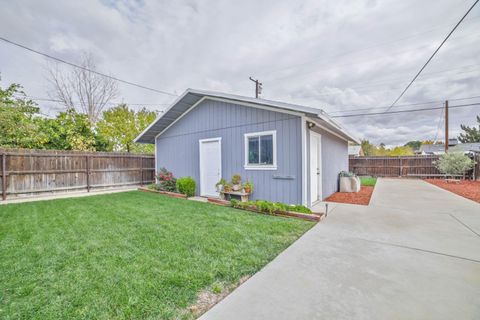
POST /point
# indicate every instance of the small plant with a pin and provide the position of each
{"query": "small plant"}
(346, 174)
(248, 187)
(300, 208)
(236, 179)
(454, 163)
(220, 184)
(227, 187)
(166, 181)
(186, 186)
(236, 182)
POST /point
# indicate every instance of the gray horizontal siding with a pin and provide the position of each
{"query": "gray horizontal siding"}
(178, 147)
(334, 160)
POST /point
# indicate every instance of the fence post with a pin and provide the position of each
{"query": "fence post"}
(141, 171)
(87, 159)
(4, 176)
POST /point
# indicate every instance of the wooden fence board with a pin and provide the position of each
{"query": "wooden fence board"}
(405, 166)
(31, 172)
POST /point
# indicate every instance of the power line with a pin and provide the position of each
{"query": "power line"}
(359, 50)
(431, 57)
(86, 69)
(389, 86)
(110, 103)
(403, 105)
(358, 62)
(404, 111)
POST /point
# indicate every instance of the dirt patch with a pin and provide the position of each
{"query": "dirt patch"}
(465, 188)
(209, 297)
(362, 197)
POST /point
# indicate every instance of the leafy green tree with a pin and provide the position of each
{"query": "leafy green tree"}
(454, 163)
(471, 134)
(71, 131)
(18, 125)
(400, 151)
(415, 144)
(121, 125)
(368, 148)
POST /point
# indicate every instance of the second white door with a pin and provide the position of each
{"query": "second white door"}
(210, 166)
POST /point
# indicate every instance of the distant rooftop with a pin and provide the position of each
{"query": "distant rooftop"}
(440, 148)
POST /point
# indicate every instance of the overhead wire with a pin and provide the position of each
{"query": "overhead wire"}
(433, 55)
(85, 68)
(404, 111)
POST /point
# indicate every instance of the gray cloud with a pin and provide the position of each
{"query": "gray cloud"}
(337, 55)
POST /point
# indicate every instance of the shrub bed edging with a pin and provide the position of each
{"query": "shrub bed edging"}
(167, 193)
(314, 216)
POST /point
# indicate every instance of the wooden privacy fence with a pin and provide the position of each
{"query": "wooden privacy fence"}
(30, 172)
(405, 166)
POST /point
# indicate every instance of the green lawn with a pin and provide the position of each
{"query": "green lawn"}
(128, 255)
(368, 181)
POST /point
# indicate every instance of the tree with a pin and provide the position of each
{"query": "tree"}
(18, 125)
(368, 148)
(400, 151)
(471, 134)
(71, 131)
(415, 144)
(121, 125)
(82, 89)
(454, 163)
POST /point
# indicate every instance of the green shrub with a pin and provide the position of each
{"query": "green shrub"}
(166, 181)
(269, 207)
(300, 208)
(454, 163)
(186, 186)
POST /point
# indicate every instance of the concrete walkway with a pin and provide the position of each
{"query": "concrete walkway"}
(413, 253)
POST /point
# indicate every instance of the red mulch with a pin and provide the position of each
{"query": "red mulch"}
(362, 197)
(465, 188)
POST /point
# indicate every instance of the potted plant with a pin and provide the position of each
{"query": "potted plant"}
(220, 184)
(236, 182)
(248, 187)
(227, 187)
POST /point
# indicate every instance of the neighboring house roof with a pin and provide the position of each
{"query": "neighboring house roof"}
(190, 98)
(440, 148)
(355, 151)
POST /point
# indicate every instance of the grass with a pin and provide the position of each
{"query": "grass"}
(130, 255)
(368, 181)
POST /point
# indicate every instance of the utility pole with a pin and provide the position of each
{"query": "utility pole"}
(446, 126)
(258, 87)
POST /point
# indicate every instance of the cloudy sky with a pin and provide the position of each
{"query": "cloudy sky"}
(340, 56)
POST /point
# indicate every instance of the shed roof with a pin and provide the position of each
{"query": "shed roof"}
(191, 97)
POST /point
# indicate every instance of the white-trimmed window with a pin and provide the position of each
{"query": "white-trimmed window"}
(261, 150)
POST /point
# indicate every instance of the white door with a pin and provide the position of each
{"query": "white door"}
(315, 167)
(210, 166)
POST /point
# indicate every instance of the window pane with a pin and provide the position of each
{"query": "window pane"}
(253, 150)
(266, 149)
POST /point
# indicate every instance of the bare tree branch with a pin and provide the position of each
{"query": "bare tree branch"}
(83, 90)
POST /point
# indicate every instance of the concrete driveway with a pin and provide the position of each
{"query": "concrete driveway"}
(413, 253)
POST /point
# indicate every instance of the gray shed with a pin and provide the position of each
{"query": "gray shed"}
(291, 153)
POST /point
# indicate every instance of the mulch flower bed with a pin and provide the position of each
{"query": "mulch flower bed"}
(465, 188)
(362, 197)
